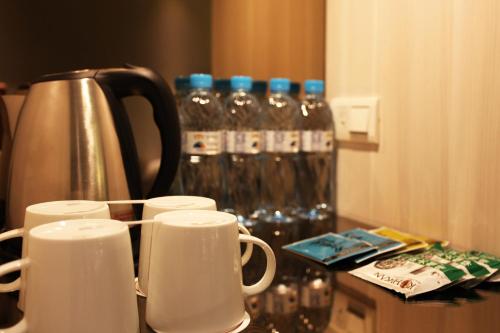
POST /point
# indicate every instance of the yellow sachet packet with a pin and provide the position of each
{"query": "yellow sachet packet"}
(412, 242)
(432, 241)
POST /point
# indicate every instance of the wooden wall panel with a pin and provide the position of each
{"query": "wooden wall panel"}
(436, 67)
(268, 38)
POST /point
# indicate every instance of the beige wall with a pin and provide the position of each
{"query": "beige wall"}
(436, 67)
(268, 38)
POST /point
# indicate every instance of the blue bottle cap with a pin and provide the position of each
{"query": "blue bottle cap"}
(241, 83)
(182, 83)
(201, 81)
(279, 85)
(314, 86)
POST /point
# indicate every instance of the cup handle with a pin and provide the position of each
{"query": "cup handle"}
(249, 246)
(268, 276)
(16, 284)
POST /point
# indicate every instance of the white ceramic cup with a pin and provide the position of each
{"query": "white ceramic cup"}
(47, 212)
(81, 279)
(195, 281)
(155, 206)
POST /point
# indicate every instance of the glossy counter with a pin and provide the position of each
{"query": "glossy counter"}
(359, 306)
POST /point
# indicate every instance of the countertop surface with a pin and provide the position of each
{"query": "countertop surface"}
(359, 306)
(374, 310)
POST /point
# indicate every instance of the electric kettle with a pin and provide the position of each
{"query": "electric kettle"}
(73, 140)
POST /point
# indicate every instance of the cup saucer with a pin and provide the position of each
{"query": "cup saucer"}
(240, 328)
(138, 290)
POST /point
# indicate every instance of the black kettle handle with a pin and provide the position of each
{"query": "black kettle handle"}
(130, 81)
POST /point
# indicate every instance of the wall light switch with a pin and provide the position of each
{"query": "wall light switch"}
(359, 117)
(356, 119)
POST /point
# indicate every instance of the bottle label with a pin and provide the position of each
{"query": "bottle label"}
(316, 294)
(282, 300)
(244, 142)
(203, 143)
(282, 141)
(317, 141)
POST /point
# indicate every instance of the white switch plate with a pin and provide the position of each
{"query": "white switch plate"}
(356, 119)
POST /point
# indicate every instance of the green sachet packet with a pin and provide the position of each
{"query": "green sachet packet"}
(484, 258)
(461, 260)
(454, 274)
(491, 263)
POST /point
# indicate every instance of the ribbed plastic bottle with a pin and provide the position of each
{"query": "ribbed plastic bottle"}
(280, 123)
(317, 160)
(222, 89)
(316, 296)
(315, 183)
(259, 90)
(243, 148)
(182, 88)
(295, 91)
(202, 145)
(280, 202)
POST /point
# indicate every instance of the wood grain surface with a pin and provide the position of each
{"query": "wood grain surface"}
(436, 67)
(268, 38)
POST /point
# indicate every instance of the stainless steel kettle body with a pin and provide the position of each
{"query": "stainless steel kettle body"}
(73, 140)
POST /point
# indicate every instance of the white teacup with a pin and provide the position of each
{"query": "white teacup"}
(47, 212)
(155, 206)
(195, 281)
(81, 279)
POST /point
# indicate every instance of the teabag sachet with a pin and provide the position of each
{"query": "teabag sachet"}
(409, 275)
(412, 242)
(489, 261)
(475, 272)
(382, 244)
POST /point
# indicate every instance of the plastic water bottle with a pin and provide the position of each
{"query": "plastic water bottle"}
(295, 91)
(182, 88)
(281, 125)
(317, 160)
(202, 145)
(280, 122)
(222, 89)
(243, 147)
(316, 297)
(281, 307)
(315, 182)
(259, 90)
